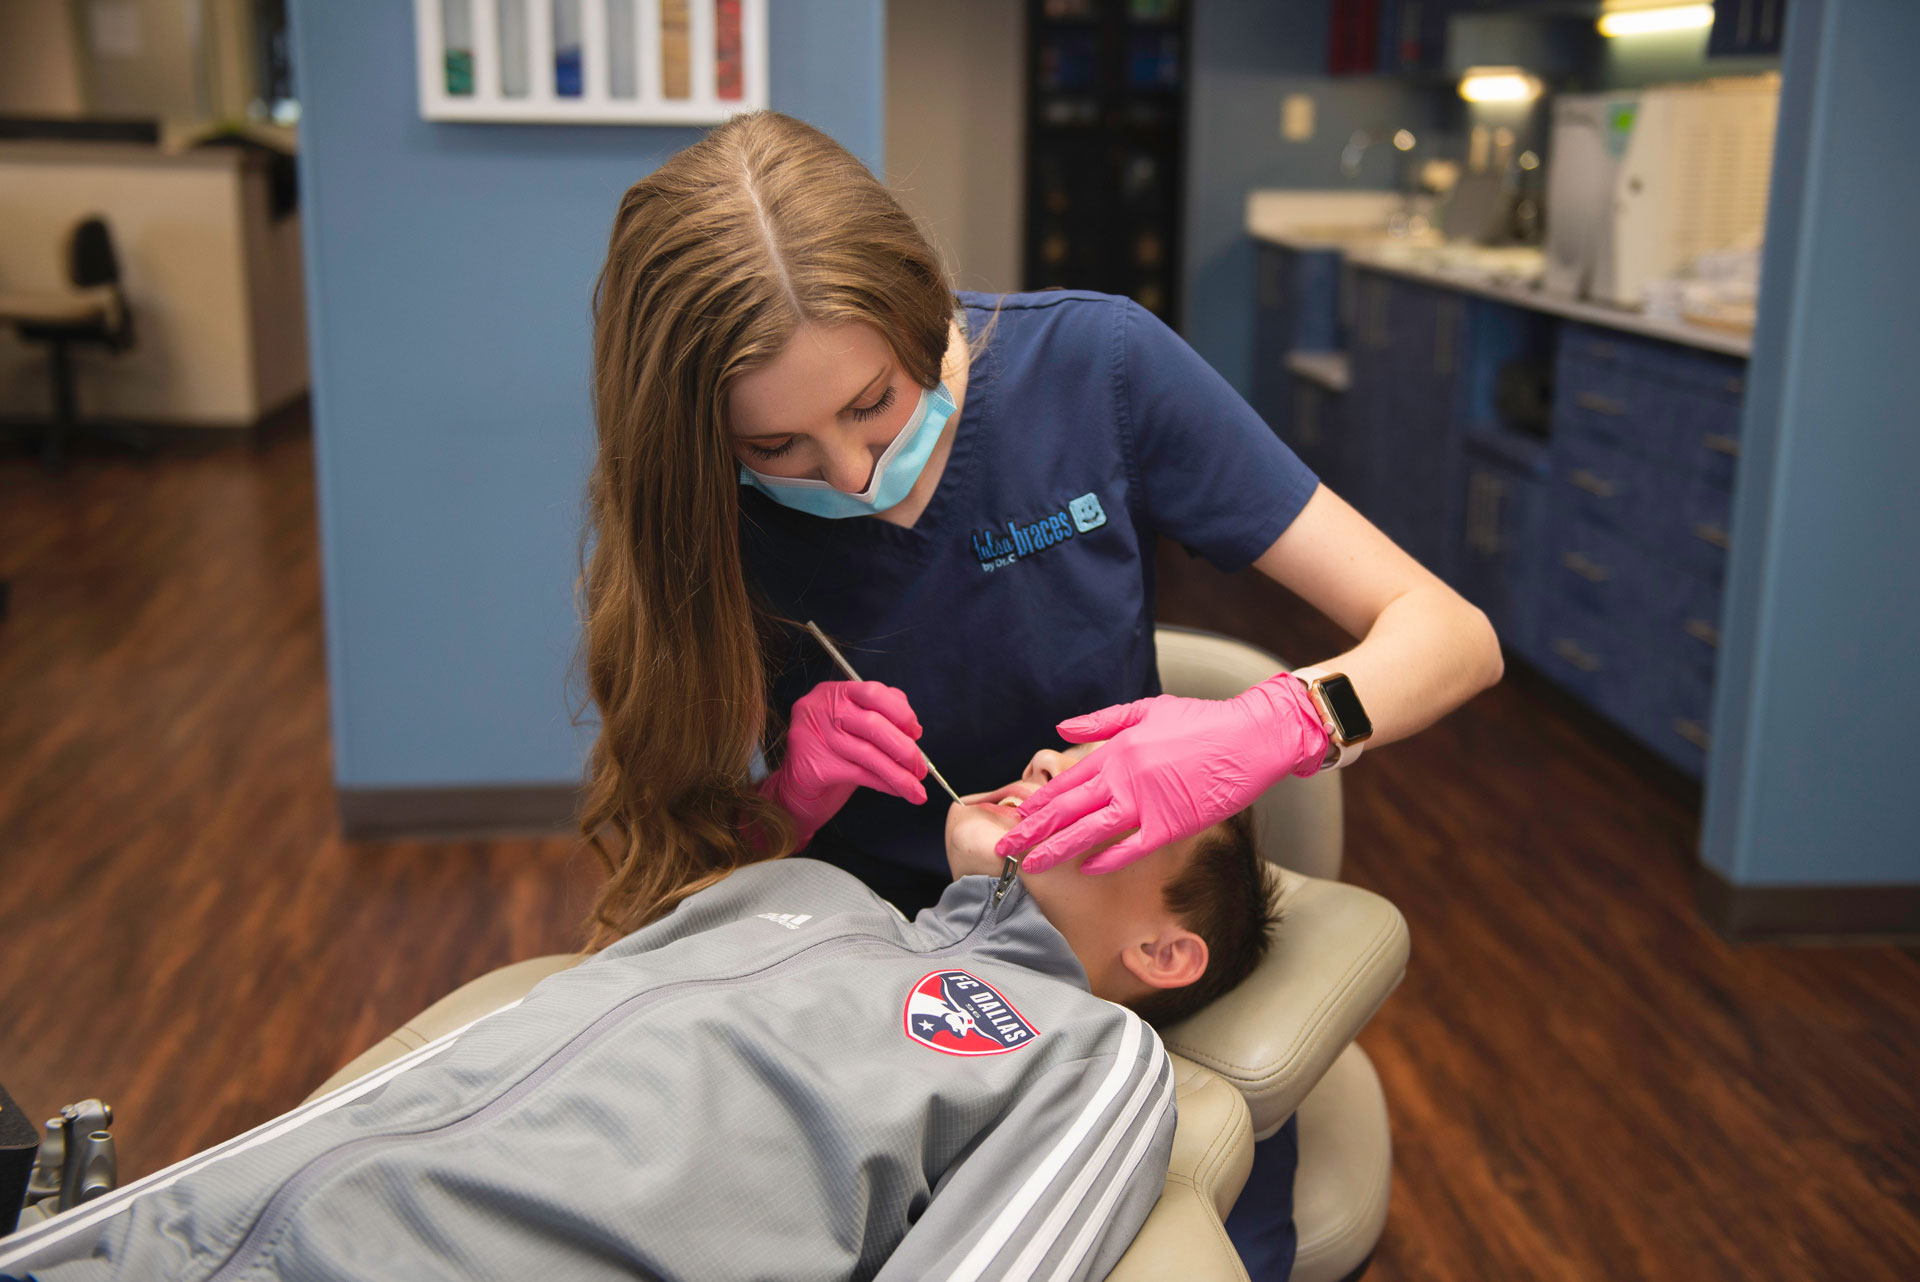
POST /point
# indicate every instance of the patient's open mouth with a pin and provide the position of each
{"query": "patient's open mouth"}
(1010, 796)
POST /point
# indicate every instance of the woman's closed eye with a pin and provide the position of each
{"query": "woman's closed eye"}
(865, 412)
(775, 451)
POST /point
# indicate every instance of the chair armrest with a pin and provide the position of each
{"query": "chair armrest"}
(1335, 954)
(1183, 1236)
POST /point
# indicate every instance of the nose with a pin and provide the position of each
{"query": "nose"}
(850, 467)
(1045, 764)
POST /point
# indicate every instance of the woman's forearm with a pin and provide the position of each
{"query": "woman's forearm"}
(1424, 650)
(1428, 652)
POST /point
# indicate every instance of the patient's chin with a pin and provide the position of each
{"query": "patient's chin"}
(969, 863)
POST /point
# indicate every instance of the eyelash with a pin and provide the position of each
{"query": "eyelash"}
(886, 399)
(878, 407)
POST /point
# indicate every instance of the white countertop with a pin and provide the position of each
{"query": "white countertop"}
(1726, 342)
(1352, 223)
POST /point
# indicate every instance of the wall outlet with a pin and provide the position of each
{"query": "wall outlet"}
(1296, 117)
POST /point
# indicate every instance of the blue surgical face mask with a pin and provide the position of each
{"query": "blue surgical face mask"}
(898, 468)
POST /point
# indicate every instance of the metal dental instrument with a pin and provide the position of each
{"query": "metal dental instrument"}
(1008, 871)
(833, 652)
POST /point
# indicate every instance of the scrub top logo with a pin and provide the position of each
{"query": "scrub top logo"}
(957, 1014)
(997, 549)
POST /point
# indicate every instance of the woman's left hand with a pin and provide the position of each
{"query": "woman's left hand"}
(1172, 768)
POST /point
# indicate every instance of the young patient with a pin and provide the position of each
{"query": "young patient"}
(781, 1077)
(1164, 935)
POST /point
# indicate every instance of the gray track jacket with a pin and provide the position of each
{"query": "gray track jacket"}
(783, 1078)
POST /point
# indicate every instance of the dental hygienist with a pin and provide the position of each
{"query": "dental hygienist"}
(798, 419)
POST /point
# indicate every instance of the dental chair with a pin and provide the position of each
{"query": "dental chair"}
(1280, 1043)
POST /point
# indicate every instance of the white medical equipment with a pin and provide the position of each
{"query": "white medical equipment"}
(1642, 184)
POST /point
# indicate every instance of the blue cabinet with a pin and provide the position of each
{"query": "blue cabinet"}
(1504, 517)
(1409, 340)
(1317, 431)
(1645, 444)
(1594, 534)
(1296, 308)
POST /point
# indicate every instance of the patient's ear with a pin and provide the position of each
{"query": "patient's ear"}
(1173, 959)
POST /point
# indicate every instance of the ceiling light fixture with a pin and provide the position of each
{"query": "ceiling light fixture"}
(1499, 84)
(1671, 17)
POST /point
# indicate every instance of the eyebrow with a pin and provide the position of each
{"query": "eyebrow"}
(768, 436)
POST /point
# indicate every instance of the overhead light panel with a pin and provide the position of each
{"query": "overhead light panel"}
(1499, 84)
(1647, 21)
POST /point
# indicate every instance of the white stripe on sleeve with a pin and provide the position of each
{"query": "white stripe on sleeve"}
(1096, 1221)
(1044, 1238)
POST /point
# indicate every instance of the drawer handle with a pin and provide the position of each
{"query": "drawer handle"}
(1694, 733)
(1571, 651)
(1598, 486)
(1599, 404)
(1586, 569)
(1721, 444)
(1710, 534)
(1701, 630)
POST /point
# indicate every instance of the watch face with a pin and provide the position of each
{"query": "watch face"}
(1349, 718)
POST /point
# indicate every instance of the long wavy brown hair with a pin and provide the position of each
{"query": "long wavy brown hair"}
(716, 258)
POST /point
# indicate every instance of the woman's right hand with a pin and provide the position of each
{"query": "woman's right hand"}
(845, 735)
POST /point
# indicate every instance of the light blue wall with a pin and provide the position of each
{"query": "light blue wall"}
(1246, 58)
(449, 273)
(1813, 778)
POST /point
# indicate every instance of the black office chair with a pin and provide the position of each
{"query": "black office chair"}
(94, 312)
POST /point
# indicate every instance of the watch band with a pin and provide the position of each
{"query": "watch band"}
(1339, 755)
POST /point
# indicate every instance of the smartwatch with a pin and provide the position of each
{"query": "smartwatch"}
(1346, 721)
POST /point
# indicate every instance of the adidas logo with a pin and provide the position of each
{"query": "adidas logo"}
(792, 921)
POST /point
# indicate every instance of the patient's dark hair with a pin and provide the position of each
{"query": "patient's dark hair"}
(1222, 897)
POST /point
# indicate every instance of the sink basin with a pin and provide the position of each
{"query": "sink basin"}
(1363, 236)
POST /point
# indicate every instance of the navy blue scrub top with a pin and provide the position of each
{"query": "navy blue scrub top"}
(1024, 593)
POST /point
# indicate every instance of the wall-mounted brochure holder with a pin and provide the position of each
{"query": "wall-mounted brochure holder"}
(591, 61)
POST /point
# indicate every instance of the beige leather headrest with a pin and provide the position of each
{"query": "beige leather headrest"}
(1334, 955)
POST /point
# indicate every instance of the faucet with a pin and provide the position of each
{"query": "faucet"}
(1407, 221)
(1355, 151)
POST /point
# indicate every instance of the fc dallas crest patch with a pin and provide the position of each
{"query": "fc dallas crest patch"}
(957, 1014)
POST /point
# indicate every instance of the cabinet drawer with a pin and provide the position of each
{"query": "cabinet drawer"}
(1705, 435)
(1602, 405)
(1613, 490)
(1676, 725)
(1696, 535)
(1723, 378)
(1680, 517)
(1580, 653)
(1601, 661)
(1610, 348)
(1597, 571)
(1694, 631)
(1654, 360)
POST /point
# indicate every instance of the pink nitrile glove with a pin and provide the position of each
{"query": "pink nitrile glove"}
(1172, 767)
(845, 735)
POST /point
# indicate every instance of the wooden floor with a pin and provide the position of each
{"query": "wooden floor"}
(1585, 1082)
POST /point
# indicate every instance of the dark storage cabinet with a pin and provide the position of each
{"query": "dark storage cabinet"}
(1747, 28)
(1106, 112)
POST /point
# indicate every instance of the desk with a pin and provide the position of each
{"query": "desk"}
(212, 279)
